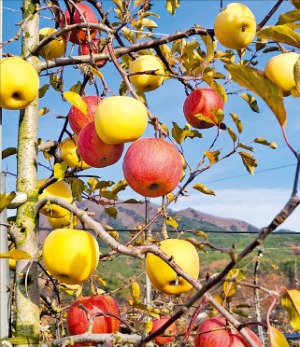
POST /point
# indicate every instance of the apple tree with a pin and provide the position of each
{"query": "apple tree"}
(111, 121)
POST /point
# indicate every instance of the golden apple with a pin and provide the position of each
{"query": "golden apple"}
(146, 81)
(70, 255)
(55, 48)
(19, 83)
(120, 119)
(163, 277)
(59, 189)
(69, 220)
(69, 154)
(235, 26)
(280, 70)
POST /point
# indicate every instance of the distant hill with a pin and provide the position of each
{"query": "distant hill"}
(130, 216)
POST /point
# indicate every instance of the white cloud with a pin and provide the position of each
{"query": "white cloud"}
(255, 206)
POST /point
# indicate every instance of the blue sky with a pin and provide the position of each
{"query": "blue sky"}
(253, 198)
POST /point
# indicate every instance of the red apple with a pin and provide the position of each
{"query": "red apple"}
(202, 101)
(84, 49)
(79, 36)
(83, 310)
(171, 330)
(77, 119)
(94, 151)
(152, 167)
(215, 332)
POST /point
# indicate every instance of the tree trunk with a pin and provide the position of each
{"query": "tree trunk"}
(27, 292)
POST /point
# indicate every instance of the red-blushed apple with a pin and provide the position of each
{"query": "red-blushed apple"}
(152, 167)
(215, 332)
(171, 330)
(84, 49)
(102, 310)
(94, 151)
(79, 36)
(77, 119)
(202, 101)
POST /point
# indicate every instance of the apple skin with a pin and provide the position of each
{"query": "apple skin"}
(77, 119)
(78, 322)
(235, 26)
(152, 167)
(70, 255)
(19, 83)
(202, 101)
(69, 154)
(227, 337)
(166, 280)
(94, 151)
(79, 36)
(84, 49)
(59, 189)
(120, 119)
(63, 222)
(55, 48)
(171, 330)
(144, 82)
(280, 70)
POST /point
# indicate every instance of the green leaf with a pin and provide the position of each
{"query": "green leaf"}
(77, 186)
(291, 302)
(251, 102)
(280, 33)
(213, 157)
(262, 141)
(56, 82)
(238, 123)
(276, 338)
(108, 195)
(256, 81)
(132, 201)
(6, 199)
(111, 212)
(172, 6)
(232, 134)
(180, 134)
(43, 90)
(104, 184)
(249, 161)
(119, 186)
(201, 188)
(7, 152)
(76, 87)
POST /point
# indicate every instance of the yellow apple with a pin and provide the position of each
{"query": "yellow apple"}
(55, 48)
(70, 255)
(69, 154)
(235, 26)
(12, 263)
(68, 220)
(120, 119)
(59, 189)
(163, 277)
(19, 83)
(280, 70)
(146, 82)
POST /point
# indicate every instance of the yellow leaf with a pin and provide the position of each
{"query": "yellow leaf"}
(135, 290)
(213, 157)
(16, 254)
(59, 170)
(76, 100)
(276, 338)
(172, 5)
(249, 161)
(6, 199)
(201, 188)
(172, 222)
(281, 33)
(230, 285)
(148, 326)
(291, 302)
(256, 81)
(96, 72)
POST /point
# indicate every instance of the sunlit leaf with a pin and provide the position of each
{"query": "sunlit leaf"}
(43, 111)
(77, 186)
(172, 6)
(290, 16)
(76, 100)
(180, 134)
(119, 4)
(291, 302)
(147, 326)
(96, 72)
(114, 234)
(210, 47)
(172, 222)
(108, 195)
(7, 152)
(251, 101)
(249, 161)
(16, 254)
(262, 141)
(59, 170)
(6, 199)
(71, 289)
(256, 81)
(104, 184)
(230, 285)
(138, 2)
(92, 183)
(280, 33)
(238, 123)
(213, 157)
(128, 34)
(201, 188)
(119, 186)
(276, 338)
(217, 87)
(135, 291)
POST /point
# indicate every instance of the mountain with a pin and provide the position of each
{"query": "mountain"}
(131, 216)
